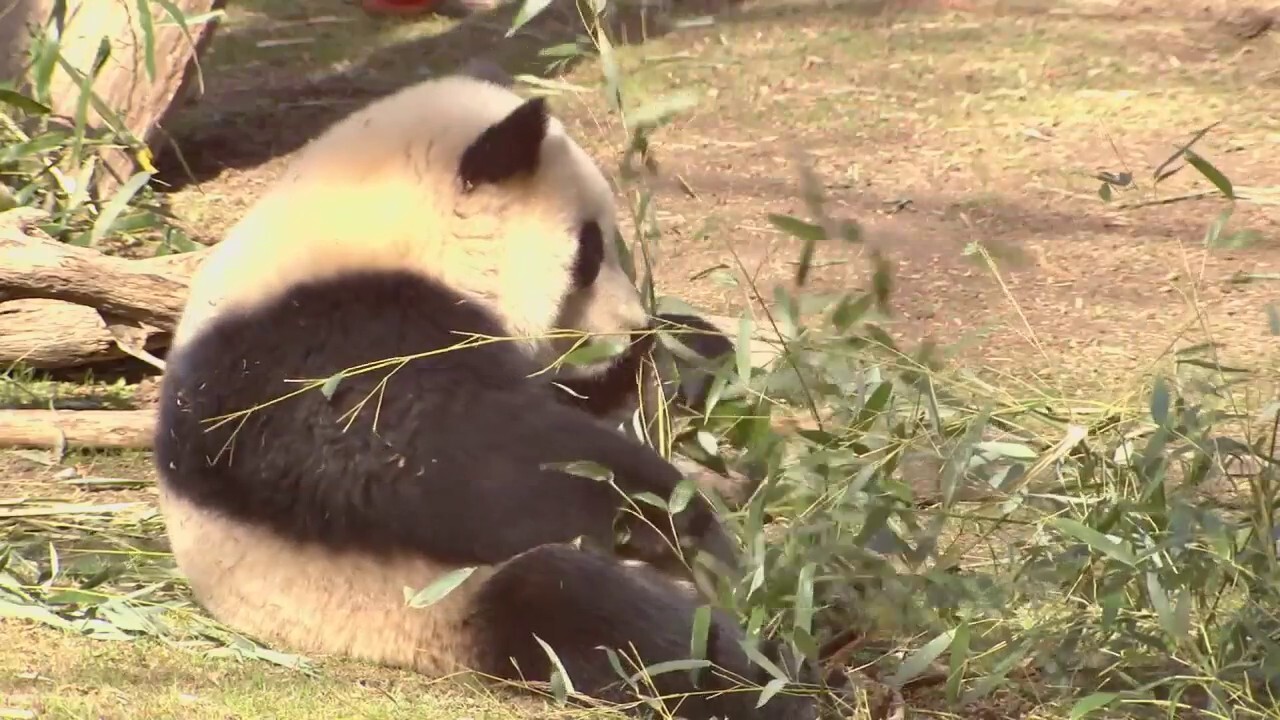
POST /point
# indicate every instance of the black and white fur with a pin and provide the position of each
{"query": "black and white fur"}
(452, 207)
(651, 379)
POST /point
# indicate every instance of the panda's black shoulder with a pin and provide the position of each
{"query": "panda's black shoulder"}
(350, 318)
(327, 440)
(251, 359)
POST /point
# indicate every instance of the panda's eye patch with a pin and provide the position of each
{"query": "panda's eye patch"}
(586, 265)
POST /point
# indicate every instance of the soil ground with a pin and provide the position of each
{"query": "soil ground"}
(934, 125)
(935, 130)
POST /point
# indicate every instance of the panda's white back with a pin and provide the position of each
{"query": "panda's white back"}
(378, 190)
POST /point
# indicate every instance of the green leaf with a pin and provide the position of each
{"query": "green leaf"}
(528, 11)
(609, 67)
(762, 661)
(669, 666)
(1095, 540)
(86, 92)
(1213, 234)
(959, 656)
(37, 146)
(23, 103)
(804, 598)
(1159, 602)
(701, 631)
(616, 664)
(112, 119)
(1174, 619)
(1111, 604)
(770, 690)
(745, 326)
(996, 675)
(119, 201)
(561, 684)
(919, 660)
(650, 499)
(585, 468)
(707, 442)
(182, 21)
(798, 228)
(1160, 174)
(1240, 239)
(805, 643)
(148, 37)
(589, 353)
(660, 111)
(83, 183)
(809, 233)
(1212, 174)
(1104, 192)
(1017, 451)
(881, 280)
(45, 52)
(438, 589)
(757, 580)
(330, 385)
(681, 496)
(34, 613)
(563, 50)
(1160, 402)
(849, 311)
(1086, 705)
(7, 200)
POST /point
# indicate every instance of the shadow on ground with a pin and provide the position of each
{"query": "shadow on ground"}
(246, 127)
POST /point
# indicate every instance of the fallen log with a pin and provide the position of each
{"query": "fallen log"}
(51, 334)
(59, 303)
(34, 267)
(116, 429)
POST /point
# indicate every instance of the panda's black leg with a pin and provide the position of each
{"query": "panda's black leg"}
(577, 601)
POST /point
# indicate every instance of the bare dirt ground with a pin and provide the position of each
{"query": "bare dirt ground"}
(936, 125)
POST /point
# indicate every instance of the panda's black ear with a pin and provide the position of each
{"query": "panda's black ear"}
(508, 148)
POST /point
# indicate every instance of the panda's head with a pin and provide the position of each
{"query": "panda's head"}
(459, 179)
(511, 210)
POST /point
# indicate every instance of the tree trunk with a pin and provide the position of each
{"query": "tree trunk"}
(124, 84)
(63, 306)
(119, 429)
(50, 334)
(138, 290)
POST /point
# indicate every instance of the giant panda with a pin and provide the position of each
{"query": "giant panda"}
(301, 513)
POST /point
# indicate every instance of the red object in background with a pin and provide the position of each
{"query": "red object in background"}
(399, 7)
